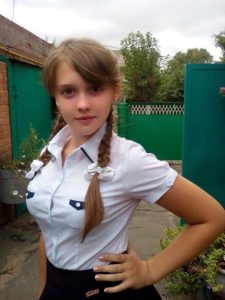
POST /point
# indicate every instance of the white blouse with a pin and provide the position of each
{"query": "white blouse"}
(55, 197)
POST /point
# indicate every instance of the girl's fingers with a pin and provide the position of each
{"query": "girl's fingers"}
(115, 268)
(109, 257)
(109, 277)
(127, 269)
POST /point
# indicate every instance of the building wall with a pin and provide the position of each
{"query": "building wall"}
(5, 133)
(16, 39)
(17, 45)
(7, 212)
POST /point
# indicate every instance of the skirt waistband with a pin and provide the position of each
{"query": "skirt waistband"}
(81, 285)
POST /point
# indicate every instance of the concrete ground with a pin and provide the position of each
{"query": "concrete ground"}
(19, 240)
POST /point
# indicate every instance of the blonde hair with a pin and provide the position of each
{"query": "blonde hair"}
(98, 66)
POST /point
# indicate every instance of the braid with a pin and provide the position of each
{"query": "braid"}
(59, 124)
(104, 147)
(94, 209)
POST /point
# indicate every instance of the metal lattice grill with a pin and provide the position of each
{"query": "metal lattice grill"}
(164, 109)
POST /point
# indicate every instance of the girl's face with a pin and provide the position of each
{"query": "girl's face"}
(83, 107)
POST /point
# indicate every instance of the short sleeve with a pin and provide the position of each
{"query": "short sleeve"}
(147, 177)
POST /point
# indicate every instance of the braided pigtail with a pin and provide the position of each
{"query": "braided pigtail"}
(94, 209)
(59, 124)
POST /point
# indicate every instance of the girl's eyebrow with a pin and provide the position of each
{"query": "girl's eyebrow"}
(68, 85)
(64, 86)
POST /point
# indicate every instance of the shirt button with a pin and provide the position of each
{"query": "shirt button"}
(77, 204)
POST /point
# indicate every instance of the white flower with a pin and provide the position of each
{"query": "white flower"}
(105, 174)
(15, 193)
(35, 167)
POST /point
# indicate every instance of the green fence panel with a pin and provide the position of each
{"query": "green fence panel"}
(157, 127)
(204, 128)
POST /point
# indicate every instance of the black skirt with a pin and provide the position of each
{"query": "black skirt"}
(81, 285)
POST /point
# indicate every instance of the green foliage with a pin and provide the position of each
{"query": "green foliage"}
(200, 271)
(198, 56)
(172, 87)
(220, 42)
(141, 68)
(29, 149)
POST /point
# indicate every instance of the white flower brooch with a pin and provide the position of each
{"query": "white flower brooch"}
(104, 174)
(34, 168)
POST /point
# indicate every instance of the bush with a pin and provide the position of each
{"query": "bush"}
(199, 272)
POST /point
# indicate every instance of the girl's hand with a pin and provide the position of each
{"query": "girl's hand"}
(128, 269)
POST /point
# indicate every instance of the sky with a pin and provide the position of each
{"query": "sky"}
(177, 25)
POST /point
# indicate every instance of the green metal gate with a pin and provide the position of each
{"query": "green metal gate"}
(204, 128)
(29, 103)
(29, 106)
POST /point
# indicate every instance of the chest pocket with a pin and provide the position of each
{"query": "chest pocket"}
(76, 213)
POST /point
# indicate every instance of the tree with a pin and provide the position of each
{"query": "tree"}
(220, 42)
(141, 68)
(198, 56)
(172, 88)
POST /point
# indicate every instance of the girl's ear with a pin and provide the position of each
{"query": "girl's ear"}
(117, 90)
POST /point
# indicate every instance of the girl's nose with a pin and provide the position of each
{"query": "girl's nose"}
(82, 102)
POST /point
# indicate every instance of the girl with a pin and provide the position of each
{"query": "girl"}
(88, 183)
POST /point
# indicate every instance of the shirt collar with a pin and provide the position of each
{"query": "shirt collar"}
(90, 146)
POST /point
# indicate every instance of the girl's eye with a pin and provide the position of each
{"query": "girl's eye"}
(94, 90)
(69, 92)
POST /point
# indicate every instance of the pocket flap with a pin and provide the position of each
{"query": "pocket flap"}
(77, 204)
(29, 194)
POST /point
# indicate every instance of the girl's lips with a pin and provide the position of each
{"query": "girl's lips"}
(85, 120)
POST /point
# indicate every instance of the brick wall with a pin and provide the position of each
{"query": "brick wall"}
(7, 212)
(5, 133)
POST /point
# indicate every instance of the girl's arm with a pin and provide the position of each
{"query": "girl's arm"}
(206, 220)
(42, 265)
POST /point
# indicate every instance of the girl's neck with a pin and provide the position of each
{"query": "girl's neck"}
(67, 149)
